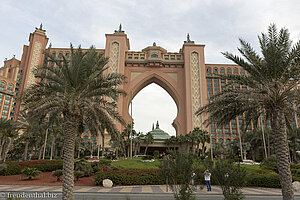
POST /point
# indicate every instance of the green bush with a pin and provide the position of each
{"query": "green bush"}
(15, 167)
(147, 157)
(270, 163)
(130, 176)
(262, 180)
(83, 166)
(30, 172)
(78, 174)
(156, 154)
(104, 163)
(231, 177)
(111, 157)
(58, 173)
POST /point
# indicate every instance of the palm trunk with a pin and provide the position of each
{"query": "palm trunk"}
(282, 153)
(146, 150)
(26, 150)
(8, 148)
(45, 144)
(2, 148)
(102, 153)
(40, 152)
(79, 146)
(52, 147)
(70, 127)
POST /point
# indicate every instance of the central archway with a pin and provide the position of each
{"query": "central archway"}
(153, 104)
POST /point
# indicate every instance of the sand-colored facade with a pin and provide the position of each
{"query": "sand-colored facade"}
(183, 74)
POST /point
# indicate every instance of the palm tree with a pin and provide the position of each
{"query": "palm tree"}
(79, 87)
(201, 137)
(148, 139)
(272, 81)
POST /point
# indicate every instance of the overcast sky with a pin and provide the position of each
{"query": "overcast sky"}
(216, 23)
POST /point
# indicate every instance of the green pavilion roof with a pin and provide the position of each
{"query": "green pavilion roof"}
(158, 134)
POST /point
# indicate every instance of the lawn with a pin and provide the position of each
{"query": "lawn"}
(136, 163)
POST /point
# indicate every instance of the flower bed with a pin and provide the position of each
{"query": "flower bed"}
(15, 167)
(130, 176)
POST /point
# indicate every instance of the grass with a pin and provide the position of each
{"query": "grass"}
(136, 163)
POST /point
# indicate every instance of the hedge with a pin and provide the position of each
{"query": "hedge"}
(130, 176)
(263, 180)
(15, 167)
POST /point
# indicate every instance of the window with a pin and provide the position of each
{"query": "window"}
(213, 130)
(129, 57)
(213, 140)
(208, 69)
(4, 112)
(209, 83)
(222, 70)
(215, 70)
(86, 137)
(228, 140)
(8, 97)
(4, 117)
(154, 56)
(1, 94)
(93, 137)
(220, 140)
(219, 130)
(6, 102)
(10, 87)
(229, 70)
(142, 58)
(236, 70)
(5, 107)
(2, 84)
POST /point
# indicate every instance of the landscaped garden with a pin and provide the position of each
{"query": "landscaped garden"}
(127, 172)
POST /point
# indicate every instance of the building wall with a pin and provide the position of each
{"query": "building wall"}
(184, 75)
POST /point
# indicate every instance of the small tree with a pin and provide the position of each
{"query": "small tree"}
(231, 178)
(177, 168)
(30, 172)
(58, 173)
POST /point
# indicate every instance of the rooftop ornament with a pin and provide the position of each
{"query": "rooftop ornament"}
(120, 29)
(154, 44)
(41, 28)
(188, 40)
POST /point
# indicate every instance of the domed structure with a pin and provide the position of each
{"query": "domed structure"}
(158, 134)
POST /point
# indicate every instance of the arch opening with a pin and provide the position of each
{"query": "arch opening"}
(152, 103)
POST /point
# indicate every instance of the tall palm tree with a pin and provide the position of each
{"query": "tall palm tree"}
(272, 80)
(201, 138)
(79, 87)
(148, 139)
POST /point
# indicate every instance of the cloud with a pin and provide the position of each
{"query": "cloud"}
(217, 24)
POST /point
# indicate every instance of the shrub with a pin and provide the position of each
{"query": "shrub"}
(78, 174)
(15, 167)
(262, 180)
(147, 157)
(30, 172)
(231, 177)
(178, 168)
(111, 157)
(83, 166)
(58, 173)
(130, 176)
(98, 166)
(270, 163)
(156, 154)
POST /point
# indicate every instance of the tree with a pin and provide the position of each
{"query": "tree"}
(7, 135)
(178, 170)
(201, 137)
(272, 80)
(148, 139)
(79, 87)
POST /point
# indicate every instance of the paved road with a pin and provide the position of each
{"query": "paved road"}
(146, 192)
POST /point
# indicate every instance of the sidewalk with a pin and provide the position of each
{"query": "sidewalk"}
(136, 189)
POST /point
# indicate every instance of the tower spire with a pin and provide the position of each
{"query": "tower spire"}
(120, 29)
(157, 125)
